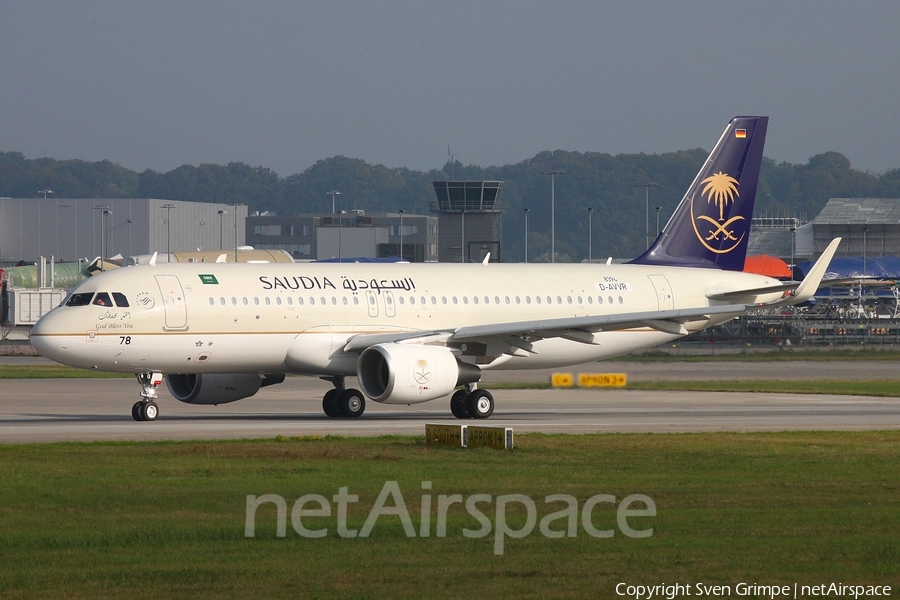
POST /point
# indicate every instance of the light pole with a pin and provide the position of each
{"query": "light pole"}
(168, 208)
(590, 236)
(222, 214)
(647, 187)
(235, 205)
(333, 194)
(658, 208)
(865, 248)
(102, 208)
(462, 239)
(553, 173)
(45, 191)
(107, 214)
(401, 211)
(793, 237)
(526, 235)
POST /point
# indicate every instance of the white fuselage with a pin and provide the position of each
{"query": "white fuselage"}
(296, 318)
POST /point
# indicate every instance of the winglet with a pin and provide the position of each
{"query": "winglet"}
(811, 282)
(487, 258)
(152, 262)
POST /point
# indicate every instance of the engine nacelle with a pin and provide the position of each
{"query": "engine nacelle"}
(218, 389)
(409, 373)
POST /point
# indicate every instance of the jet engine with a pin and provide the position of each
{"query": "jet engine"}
(218, 389)
(409, 373)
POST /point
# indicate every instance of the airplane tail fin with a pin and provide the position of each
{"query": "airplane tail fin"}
(711, 225)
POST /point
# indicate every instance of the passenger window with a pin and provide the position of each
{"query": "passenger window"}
(102, 299)
(120, 299)
(82, 299)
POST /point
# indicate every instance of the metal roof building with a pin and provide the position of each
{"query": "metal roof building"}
(868, 226)
(72, 228)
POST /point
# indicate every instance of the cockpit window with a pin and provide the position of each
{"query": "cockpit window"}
(102, 299)
(120, 299)
(80, 299)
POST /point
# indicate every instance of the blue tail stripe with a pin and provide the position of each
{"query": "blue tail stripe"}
(711, 225)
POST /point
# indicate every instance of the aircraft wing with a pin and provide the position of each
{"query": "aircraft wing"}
(797, 291)
(574, 328)
(581, 328)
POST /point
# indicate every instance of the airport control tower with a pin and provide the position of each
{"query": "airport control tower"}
(468, 220)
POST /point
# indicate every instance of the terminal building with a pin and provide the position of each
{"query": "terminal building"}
(347, 235)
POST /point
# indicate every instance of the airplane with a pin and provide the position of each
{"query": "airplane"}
(412, 333)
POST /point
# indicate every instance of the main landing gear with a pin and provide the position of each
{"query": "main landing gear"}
(342, 402)
(472, 403)
(146, 409)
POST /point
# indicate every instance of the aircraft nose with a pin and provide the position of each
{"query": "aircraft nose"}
(46, 338)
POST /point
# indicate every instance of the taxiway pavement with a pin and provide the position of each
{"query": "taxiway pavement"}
(46, 410)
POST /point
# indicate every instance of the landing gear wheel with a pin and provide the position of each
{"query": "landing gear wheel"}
(480, 404)
(149, 411)
(329, 404)
(351, 403)
(458, 404)
(136, 411)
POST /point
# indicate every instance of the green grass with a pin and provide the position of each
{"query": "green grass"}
(166, 519)
(822, 354)
(884, 387)
(54, 372)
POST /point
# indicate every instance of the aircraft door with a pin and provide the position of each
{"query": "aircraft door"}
(173, 301)
(390, 310)
(372, 303)
(663, 291)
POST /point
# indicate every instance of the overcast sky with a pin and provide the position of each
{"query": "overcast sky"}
(283, 84)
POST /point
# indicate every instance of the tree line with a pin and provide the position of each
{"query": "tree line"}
(610, 184)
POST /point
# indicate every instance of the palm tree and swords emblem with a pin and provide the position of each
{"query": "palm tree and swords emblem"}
(720, 189)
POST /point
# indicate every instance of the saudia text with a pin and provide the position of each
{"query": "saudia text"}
(304, 282)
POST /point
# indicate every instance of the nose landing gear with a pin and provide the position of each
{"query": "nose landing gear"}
(146, 409)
